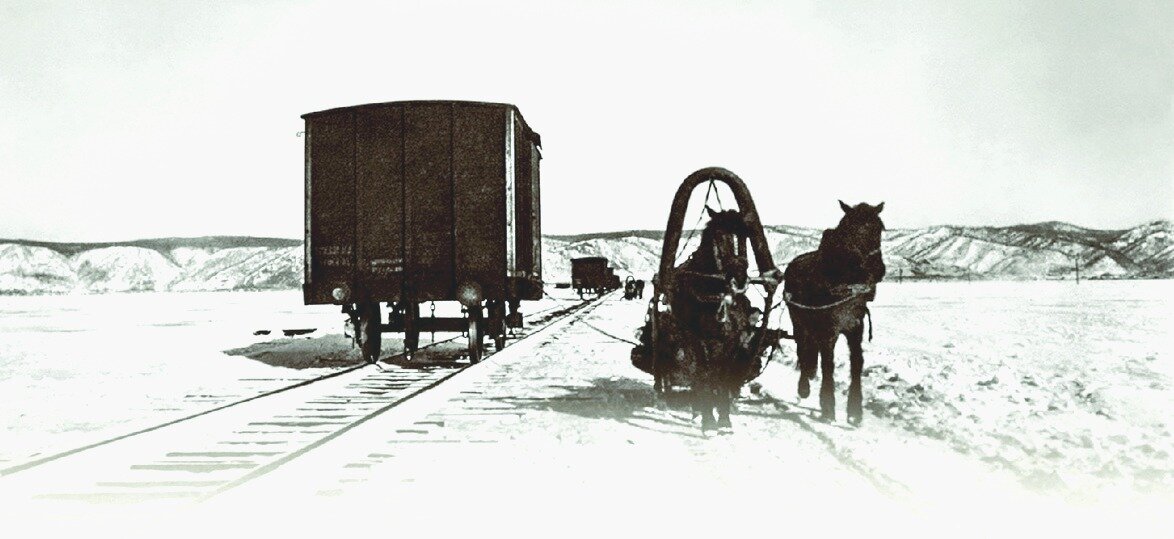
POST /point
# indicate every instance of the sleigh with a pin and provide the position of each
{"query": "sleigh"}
(659, 351)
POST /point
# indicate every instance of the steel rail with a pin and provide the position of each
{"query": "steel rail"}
(63, 454)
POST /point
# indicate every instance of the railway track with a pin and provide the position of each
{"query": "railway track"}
(205, 454)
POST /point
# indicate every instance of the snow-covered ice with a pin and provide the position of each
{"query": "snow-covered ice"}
(1043, 392)
(81, 368)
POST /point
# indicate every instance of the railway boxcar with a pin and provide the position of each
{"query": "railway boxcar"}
(589, 275)
(613, 280)
(416, 201)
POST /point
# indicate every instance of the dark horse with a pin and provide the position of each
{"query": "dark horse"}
(710, 314)
(828, 291)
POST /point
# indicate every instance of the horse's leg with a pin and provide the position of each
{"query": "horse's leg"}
(808, 353)
(659, 380)
(725, 403)
(703, 395)
(827, 387)
(856, 357)
(694, 357)
(726, 389)
(712, 370)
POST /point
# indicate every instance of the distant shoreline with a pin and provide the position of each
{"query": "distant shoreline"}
(1042, 251)
(906, 280)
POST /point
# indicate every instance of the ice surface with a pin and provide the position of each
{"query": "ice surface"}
(1068, 386)
(1005, 390)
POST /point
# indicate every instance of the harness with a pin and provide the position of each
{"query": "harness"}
(725, 302)
(723, 299)
(855, 291)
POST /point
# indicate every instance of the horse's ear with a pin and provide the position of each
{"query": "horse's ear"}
(845, 207)
(880, 207)
(712, 213)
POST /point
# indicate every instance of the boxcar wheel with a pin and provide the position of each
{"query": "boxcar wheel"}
(496, 327)
(368, 332)
(411, 327)
(474, 339)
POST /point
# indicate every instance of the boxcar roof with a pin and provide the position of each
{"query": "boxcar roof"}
(537, 137)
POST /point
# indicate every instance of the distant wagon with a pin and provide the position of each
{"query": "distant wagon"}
(590, 275)
(418, 201)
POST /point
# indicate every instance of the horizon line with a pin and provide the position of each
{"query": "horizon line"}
(603, 232)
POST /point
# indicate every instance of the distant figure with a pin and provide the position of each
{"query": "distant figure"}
(640, 288)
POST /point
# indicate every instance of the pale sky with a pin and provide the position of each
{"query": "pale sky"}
(123, 120)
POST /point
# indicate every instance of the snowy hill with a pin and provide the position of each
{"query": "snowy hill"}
(182, 264)
(1039, 251)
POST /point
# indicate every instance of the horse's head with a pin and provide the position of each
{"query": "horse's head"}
(861, 227)
(726, 234)
(859, 233)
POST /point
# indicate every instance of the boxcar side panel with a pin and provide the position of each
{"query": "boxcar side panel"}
(522, 244)
(380, 201)
(536, 216)
(528, 244)
(478, 195)
(331, 205)
(308, 292)
(511, 193)
(429, 199)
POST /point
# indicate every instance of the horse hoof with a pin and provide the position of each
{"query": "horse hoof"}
(855, 419)
(804, 387)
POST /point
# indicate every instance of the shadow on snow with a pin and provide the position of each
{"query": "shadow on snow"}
(326, 351)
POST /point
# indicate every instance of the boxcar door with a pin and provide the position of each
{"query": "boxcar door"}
(429, 200)
(479, 198)
(380, 200)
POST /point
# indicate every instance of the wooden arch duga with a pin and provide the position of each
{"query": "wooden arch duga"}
(674, 229)
(769, 275)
